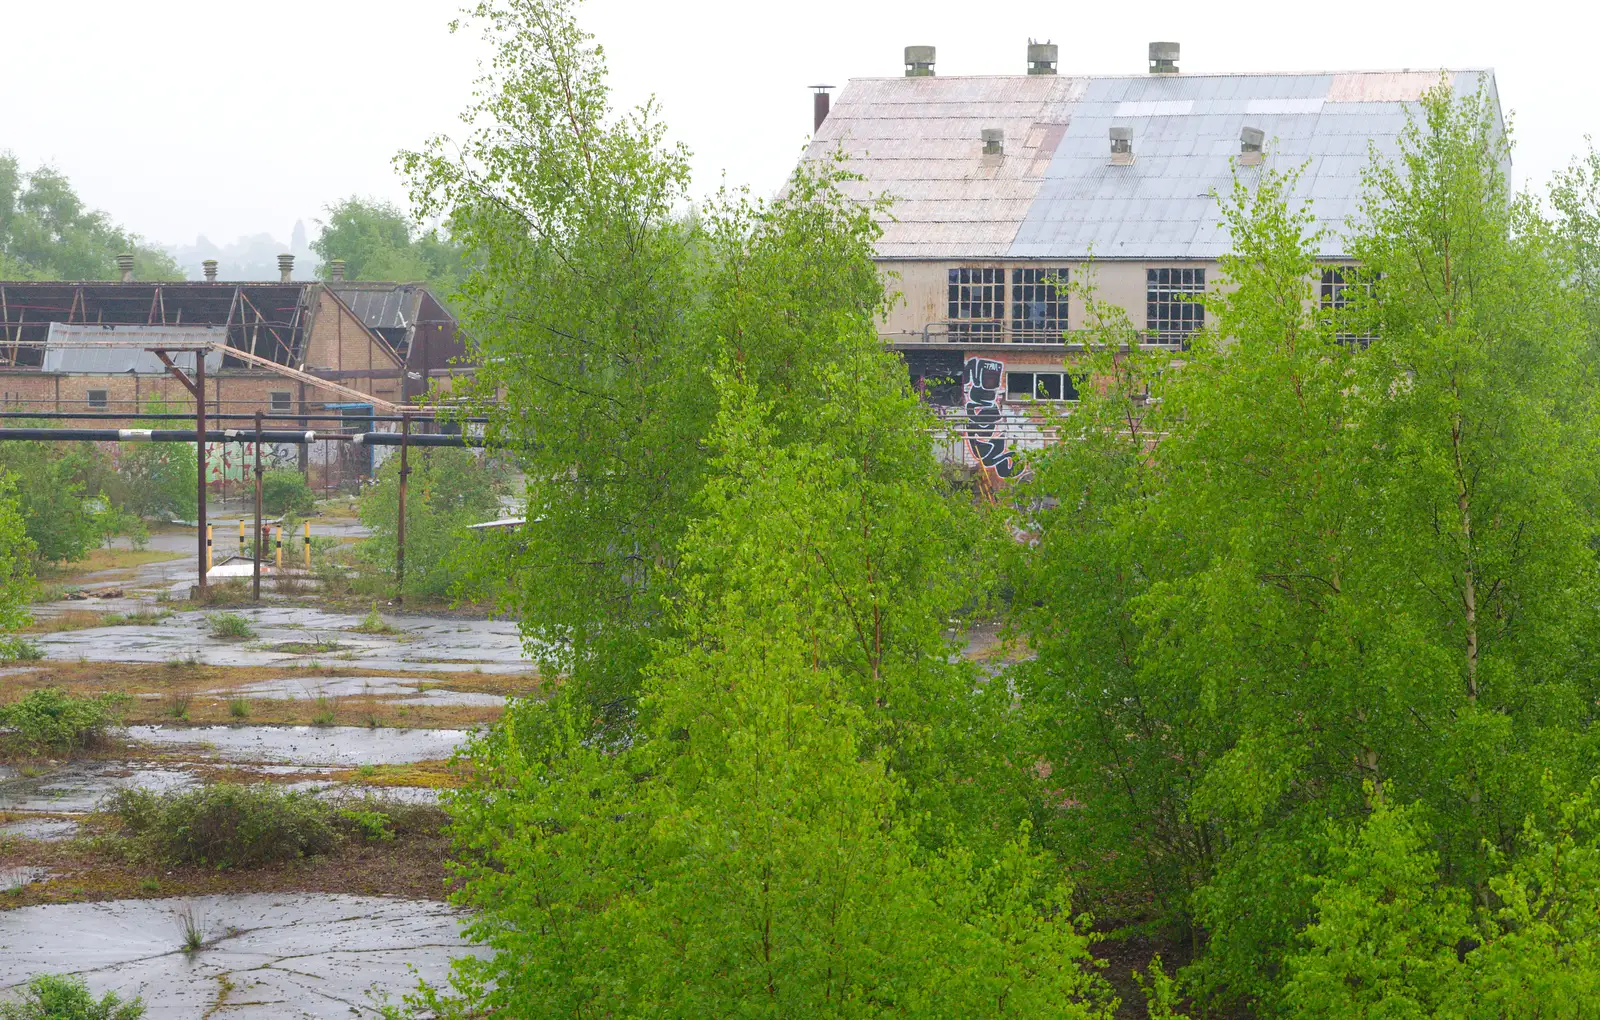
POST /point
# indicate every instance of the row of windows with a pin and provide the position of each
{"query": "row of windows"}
(1174, 302)
(282, 400)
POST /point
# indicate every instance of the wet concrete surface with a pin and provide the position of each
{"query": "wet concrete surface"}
(15, 878)
(81, 786)
(48, 830)
(404, 691)
(266, 955)
(290, 635)
(346, 746)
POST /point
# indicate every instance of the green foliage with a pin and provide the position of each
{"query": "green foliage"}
(58, 997)
(64, 513)
(47, 233)
(378, 241)
(286, 492)
(1340, 569)
(16, 572)
(226, 825)
(157, 481)
(230, 626)
(449, 490)
(52, 718)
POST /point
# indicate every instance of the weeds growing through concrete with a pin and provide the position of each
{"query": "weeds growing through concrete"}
(372, 623)
(230, 627)
(239, 708)
(191, 928)
(178, 704)
(53, 996)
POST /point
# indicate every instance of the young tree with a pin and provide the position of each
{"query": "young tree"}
(1316, 567)
(378, 241)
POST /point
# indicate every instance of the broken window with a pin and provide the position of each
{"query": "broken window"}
(1041, 386)
(1339, 293)
(97, 400)
(1173, 308)
(1039, 304)
(977, 301)
(281, 401)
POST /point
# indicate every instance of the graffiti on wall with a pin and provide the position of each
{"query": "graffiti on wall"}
(982, 385)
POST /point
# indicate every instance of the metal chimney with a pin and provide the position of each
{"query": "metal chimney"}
(336, 270)
(919, 61)
(1250, 140)
(125, 266)
(1163, 58)
(819, 106)
(994, 141)
(285, 268)
(1042, 57)
(1122, 146)
(209, 266)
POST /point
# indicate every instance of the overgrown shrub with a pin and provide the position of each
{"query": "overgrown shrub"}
(66, 997)
(226, 825)
(58, 488)
(55, 719)
(230, 626)
(285, 492)
(156, 481)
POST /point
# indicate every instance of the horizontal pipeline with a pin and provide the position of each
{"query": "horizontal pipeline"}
(419, 417)
(168, 435)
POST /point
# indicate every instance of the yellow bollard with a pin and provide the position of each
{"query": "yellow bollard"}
(280, 547)
(308, 545)
(208, 548)
(241, 540)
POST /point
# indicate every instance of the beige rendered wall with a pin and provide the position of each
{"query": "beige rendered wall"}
(924, 296)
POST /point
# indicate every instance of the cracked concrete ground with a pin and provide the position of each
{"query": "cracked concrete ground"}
(266, 955)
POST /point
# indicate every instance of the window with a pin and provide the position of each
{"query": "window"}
(1039, 304)
(281, 401)
(1172, 304)
(1041, 386)
(977, 301)
(97, 400)
(1336, 296)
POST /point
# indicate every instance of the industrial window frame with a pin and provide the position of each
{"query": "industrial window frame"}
(280, 406)
(977, 300)
(98, 400)
(1042, 387)
(1174, 310)
(1042, 295)
(1333, 299)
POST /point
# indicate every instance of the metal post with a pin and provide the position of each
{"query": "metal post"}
(400, 527)
(256, 580)
(306, 546)
(201, 529)
(280, 547)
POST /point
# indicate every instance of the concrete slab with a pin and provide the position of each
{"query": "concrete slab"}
(284, 632)
(403, 690)
(49, 830)
(347, 746)
(267, 956)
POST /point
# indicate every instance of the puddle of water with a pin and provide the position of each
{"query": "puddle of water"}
(82, 785)
(423, 643)
(405, 690)
(49, 830)
(308, 745)
(287, 955)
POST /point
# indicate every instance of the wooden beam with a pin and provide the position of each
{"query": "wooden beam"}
(378, 403)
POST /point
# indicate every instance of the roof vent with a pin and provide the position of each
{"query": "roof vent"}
(994, 141)
(1121, 146)
(285, 268)
(819, 106)
(209, 267)
(1041, 57)
(125, 267)
(1163, 58)
(1250, 140)
(336, 270)
(919, 61)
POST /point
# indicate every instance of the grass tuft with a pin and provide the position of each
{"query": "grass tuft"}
(52, 718)
(230, 627)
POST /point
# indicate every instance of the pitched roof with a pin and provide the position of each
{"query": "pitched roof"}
(1054, 194)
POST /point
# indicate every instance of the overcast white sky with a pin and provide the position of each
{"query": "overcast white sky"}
(225, 118)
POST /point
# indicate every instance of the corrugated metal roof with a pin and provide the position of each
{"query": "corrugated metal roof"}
(64, 350)
(1053, 194)
(381, 307)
